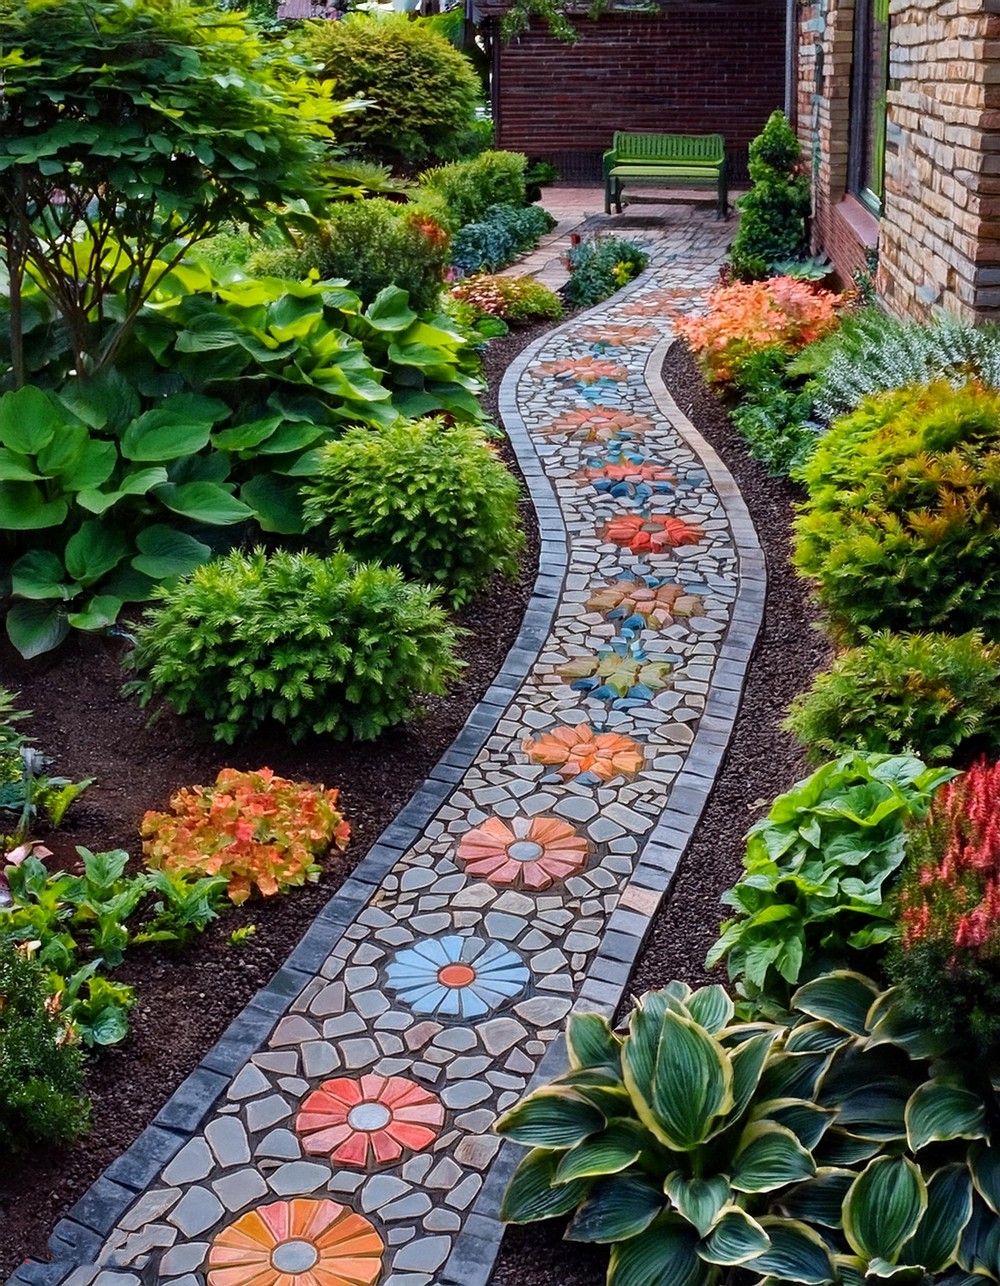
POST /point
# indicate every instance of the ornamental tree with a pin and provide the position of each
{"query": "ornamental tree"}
(128, 130)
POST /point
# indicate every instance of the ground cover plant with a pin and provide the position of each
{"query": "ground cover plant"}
(516, 300)
(601, 266)
(503, 232)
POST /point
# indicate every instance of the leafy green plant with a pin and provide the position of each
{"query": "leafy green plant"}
(837, 1148)
(517, 300)
(504, 232)
(296, 643)
(250, 829)
(775, 412)
(428, 497)
(41, 1071)
(932, 695)
(901, 528)
(420, 91)
(773, 213)
(600, 267)
(467, 189)
(26, 789)
(818, 872)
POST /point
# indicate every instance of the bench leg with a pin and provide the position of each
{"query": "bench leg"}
(722, 213)
(618, 196)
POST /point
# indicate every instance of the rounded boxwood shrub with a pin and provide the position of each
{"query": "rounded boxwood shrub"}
(467, 189)
(427, 496)
(293, 641)
(901, 529)
(422, 91)
(933, 695)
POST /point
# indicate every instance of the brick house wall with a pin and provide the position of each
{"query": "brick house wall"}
(939, 233)
(695, 67)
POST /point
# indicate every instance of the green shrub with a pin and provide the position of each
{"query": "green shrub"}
(600, 267)
(295, 644)
(421, 90)
(430, 498)
(502, 234)
(773, 213)
(517, 300)
(370, 245)
(817, 873)
(467, 189)
(41, 1073)
(932, 695)
(774, 413)
(901, 529)
(25, 788)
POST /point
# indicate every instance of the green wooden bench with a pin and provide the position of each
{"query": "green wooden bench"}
(666, 160)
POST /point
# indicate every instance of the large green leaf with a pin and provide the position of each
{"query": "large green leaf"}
(39, 574)
(35, 628)
(244, 437)
(23, 507)
(748, 1061)
(608, 1152)
(979, 1250)
(893, 1023)
(590, 1041)
(949, 1208)
(769, 1156)
(699, 1201)
(92, 468)
(551, 1118)
(94, 550)
(736, 1238)
(883, 1208)
(98, 614)
(390, 310)
(842, 998)
(17, 468)
(984, 1165)
(276, 503)
(819, 1200)
(618, 1207)
(938, 1112)
(711, 1007)
(533, 1194)
(64, 452)
(665, 1253)
(205, 502)
(796, 1254)
(691, 1084)
(807, 1121)
(164, 552)
(162, 435)
(29, 420)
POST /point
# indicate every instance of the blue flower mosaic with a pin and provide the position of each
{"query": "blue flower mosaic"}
(456, 977)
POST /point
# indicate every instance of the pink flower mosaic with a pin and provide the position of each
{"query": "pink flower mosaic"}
(651, 534)
(368, 1121)
(658, 606)
(598, 424)
(530, 853)
(582, 370)
(611, 336)
(577, 750)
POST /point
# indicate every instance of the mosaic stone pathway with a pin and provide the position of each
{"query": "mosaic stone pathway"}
(340, 1132)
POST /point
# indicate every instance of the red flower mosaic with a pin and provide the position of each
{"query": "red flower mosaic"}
(305, 1242)
(617, 336)
(576, 750)
(658, 606)
(368, 1121)
(626, 472)
(583, 370)
(652, 534)
(598, 424)
(529, 853)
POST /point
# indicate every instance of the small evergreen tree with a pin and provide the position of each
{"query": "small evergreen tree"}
(773, 213)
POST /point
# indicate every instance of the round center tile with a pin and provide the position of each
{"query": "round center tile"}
(525, 850)
(294, 1257)
(456, 975)
(369, 1116)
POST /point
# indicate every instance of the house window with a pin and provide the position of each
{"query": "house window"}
(869, 81)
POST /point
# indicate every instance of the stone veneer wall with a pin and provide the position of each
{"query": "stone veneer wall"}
(939, 235)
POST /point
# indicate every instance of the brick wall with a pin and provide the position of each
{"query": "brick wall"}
(939, 234)
(697, 67)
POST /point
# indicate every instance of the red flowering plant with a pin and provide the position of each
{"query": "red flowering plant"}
(781, 313)
(254, 828)
(948, 954)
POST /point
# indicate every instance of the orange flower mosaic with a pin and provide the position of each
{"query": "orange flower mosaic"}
(598, 424)
(368, 1121)
(617, 336)
(658, 303)
(623, 471)
(651, 534)
(576, 750)
(584, 370)
(304, 1242)
(657, 606)
(530, 853)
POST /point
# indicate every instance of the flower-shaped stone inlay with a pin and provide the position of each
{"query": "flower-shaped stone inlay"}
(455, 976)
(369, 1121)
(530, 853)
(612, 336)
(651, 533)
(626, 473)
(303, 1242)
(623, 670)
(598, 424)
(580, 370)
(657, 303)
(578, 750)
(635, 604)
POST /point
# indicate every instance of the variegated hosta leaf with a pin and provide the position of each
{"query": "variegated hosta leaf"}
(736, 1238)
(807, 1121)
(984, 1164)
(609, 1152)
(979, 1250)
(533, 1194)
(748, 1062)
(616, 1209)
(665, 1252)
(796, 1254)
(711, 1007)
(551, 1118)
(591, 1042)
(816, 1037)
(698, 1200)
(891, 1023)
(937, 1112)
(883, 1208)
(843, 998)
(601, 1088)
(794, 1075)
(949, 1208)
(769, 1156)
(819, 1200)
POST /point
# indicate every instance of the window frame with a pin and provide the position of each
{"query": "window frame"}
(866, 14)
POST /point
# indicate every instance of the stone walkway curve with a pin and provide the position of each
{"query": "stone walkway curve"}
(341, 1128)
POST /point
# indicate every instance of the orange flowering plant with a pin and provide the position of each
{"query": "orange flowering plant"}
(254, 828)
(948, 955)
(745, 317)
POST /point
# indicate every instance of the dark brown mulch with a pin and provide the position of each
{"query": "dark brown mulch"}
(186, 999)
(760, 763)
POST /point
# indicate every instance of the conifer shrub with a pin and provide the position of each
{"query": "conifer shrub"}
(467, 189)
(936, 696)
(429, 497)
(901, 528)
(294, 643)
(773, 213)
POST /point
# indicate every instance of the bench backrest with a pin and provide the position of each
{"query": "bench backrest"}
(706, 149)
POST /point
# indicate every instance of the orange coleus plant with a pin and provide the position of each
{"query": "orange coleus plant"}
(254, 828)
(745, 317)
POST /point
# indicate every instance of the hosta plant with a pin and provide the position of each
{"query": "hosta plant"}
(837, 1148)
(818, 871)
(254, 829)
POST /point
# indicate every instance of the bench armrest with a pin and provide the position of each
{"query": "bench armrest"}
(610, 159)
